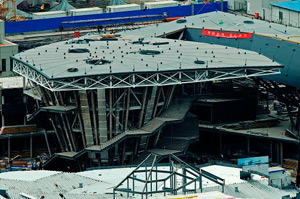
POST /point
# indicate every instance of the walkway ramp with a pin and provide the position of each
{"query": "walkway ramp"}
(174, 140)
(175, 113)
(51, 109)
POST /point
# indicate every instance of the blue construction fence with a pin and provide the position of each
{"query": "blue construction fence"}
(110, 18)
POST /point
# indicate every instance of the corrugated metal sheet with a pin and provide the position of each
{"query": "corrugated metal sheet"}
(254, 189)
(98, 185)
(50, 186)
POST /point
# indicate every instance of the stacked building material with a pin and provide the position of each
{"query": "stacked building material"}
(292, 165)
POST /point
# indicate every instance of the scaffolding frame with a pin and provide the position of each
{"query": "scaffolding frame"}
(151, 180)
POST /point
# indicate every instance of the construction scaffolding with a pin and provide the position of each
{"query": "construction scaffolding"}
(150, 179)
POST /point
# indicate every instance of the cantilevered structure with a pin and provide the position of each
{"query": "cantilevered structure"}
(108, 98)
(275, 41)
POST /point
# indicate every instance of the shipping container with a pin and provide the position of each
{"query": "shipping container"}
(160, 4)
(121, 8)
(50, 14)
(85, 11)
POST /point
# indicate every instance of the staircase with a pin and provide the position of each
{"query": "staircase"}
(176, 113)
(86, 119)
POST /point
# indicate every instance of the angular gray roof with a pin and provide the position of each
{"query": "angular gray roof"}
(221, 21)
(54, 60)
(254, 189)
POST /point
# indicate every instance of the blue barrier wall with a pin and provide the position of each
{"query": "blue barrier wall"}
(55, 23)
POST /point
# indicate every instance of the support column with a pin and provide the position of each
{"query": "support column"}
(157, 138)
(102, 121)
(51, 98)
(150, 106)
(80, 119)
(157, 101)
(1, 110)
(127, 110)
(86, 118)
(117, 118)
(95, 129)
(59, 139)
(277, 152)
(123, 153)
(268, 107)
(271, 150)
(110, 115)
(281, 153)
(169, 96)
(102, 115)
(8, 148)
(30, 145)
(136, 148)
(141, 117)
(69, 139)
(298, 121)
(47, 143)
(66, 123)
(248, 145)
(147, 142)
(221, 143)
(184, 179)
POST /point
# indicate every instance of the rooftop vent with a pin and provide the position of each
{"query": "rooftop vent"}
(140, 41)
(199, 62)
(72, 70)
(249, 22)
(109, 39)
(97, 61)
(79, 50)
(149, 52)
(181, 21)
(79, 41)
(161, 43)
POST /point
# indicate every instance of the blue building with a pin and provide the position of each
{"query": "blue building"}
(286, 13)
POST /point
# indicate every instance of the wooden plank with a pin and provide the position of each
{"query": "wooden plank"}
(18, 129)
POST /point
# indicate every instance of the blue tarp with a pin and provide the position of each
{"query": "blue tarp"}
(108, 18)
(290, 5)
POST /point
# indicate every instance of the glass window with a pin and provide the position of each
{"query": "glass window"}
(3, 65)
(280, 15)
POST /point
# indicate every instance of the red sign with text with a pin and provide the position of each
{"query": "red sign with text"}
(229, 35)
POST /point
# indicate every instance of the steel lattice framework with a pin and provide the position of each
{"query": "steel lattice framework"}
(135, 79)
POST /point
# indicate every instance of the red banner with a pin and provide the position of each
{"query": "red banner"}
(229, 35)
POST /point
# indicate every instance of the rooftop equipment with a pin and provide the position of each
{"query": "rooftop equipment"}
(85, 11)
(161, 4)
(121, 8)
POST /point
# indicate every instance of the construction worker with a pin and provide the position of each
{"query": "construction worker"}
(34, 165)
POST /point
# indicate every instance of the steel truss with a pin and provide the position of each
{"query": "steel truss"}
(141, 79)
(151, 179)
